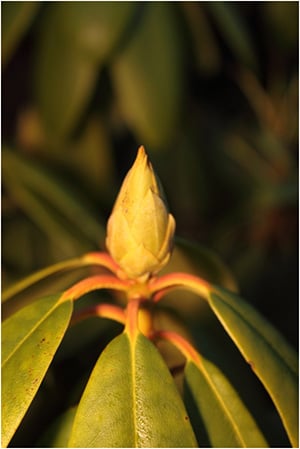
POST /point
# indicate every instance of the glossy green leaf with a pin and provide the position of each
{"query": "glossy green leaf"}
(30, 339)
(227, 422)
(147, 75)
(131, 401)
(269, 355)
(69, 59)
(16, 19)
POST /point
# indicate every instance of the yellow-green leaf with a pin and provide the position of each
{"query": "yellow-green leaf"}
(271, 358)
(30, 339)
(131, 401)
(226, 420)
(30, 280)
(269, 355)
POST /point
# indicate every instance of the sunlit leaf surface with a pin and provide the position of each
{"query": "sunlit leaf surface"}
(268, 354)
(218, 406)
(29, 341)
(131, 401)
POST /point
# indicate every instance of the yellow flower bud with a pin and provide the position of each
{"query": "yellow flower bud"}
(140, 229)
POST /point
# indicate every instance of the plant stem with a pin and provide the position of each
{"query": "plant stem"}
(160, 286)
(180, 343)
(101, 310)
(94, 283)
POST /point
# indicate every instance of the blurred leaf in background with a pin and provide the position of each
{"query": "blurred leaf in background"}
(147, 76)
(16, 19)
(69, 60)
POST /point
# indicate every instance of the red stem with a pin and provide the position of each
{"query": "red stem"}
(94, 283)
(103, 259)
(160, 286)
(102, 310)
(132, 311)
(180, 343)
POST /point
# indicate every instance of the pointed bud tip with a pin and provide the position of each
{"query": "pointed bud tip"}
(141, 151)
(140, 229)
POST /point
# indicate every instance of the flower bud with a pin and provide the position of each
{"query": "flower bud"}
(140, 229)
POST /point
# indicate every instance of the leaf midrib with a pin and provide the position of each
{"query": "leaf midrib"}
(223, 405)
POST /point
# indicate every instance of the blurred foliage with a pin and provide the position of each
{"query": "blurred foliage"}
(209, 88)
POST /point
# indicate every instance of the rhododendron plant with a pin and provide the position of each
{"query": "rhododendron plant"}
(131, 399)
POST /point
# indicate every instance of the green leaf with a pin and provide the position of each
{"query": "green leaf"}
(91, 156)
(227, 422)
(206, 50)
(147, 76)
(131, 401)
(39, 186)
(30, 339)
(16, 19)
(271, 358)
(230, 23)
(23, 284)
(69, 59)
(269, 355)
(51, 223)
